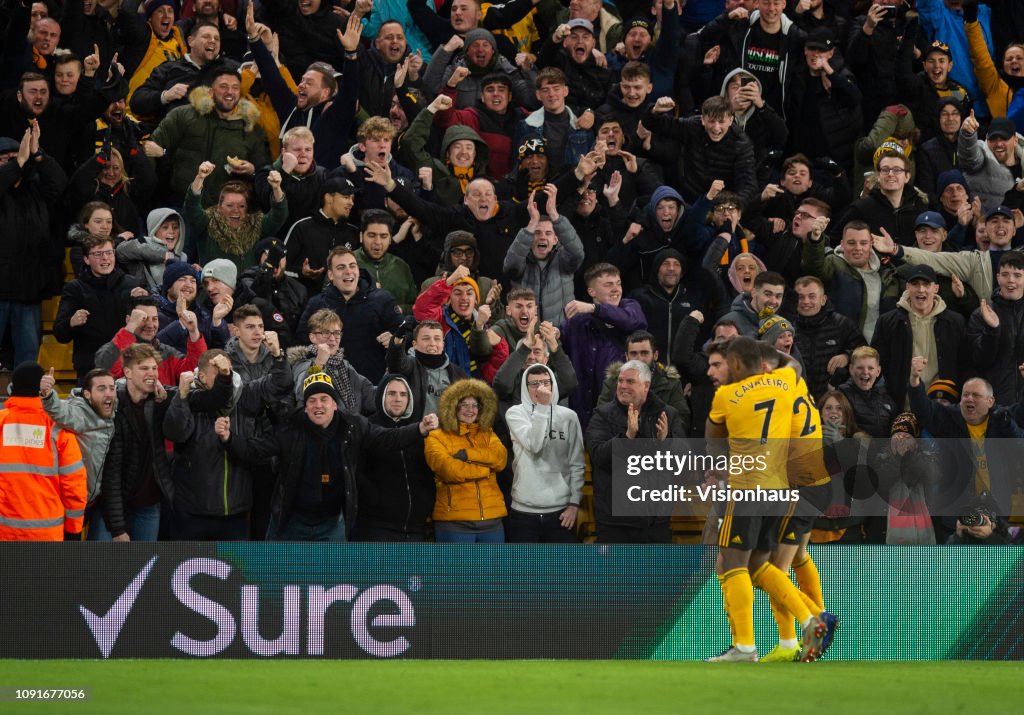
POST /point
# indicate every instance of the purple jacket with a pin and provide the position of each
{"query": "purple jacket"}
(593, 342)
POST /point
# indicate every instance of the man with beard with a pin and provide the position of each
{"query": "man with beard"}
(217, 126)
(676, 288)
(661, 57)
(89, 414)
(141, 325)
(60, 119)
(635, 252)
(310, 239)
(463, 155)
(995, 166)
(480, 59)
(171, 82)
(91, 304)
(229, 229)
(210, 12)
(320, 104)
(493, 118)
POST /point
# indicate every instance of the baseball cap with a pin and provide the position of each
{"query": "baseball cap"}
(932, 219)
(580, 22)
(922, 272)
(1002, 128)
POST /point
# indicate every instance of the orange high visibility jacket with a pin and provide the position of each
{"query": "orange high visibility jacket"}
(42, 476)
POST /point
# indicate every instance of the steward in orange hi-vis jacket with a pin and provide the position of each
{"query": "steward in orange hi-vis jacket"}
(42, 476)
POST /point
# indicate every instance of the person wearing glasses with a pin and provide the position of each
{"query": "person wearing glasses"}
(548, 467)
(92, 307)
(325, 354)
(893, 205)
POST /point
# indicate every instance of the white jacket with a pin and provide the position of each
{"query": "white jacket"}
(547, 444)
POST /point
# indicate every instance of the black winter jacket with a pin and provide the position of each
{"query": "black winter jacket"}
(701, 160)
(996, 352)
(821, 337)
(894, 340)
(396, 489)
(207, 481)
(607, 423)
(357, 438)
(123, 466)
(367, 314)
(106, 298)
(30, 258)
(874, 409)
(145, 100)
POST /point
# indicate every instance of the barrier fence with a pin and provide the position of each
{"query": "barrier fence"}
(249, 600)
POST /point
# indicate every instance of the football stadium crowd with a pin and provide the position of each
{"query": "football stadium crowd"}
(393, 271)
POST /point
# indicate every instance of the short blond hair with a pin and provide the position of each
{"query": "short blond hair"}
(297, 133)
(865, 352)
(323, 319)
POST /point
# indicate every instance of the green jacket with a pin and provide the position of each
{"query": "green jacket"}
(665, 383)
(258, 225)
(194, 133)
(413, 151)
(393, 275)
(974, 268)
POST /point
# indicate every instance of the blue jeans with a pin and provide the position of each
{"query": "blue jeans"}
(443, 534)
(25, 329)
(302, 528)
(142, 524)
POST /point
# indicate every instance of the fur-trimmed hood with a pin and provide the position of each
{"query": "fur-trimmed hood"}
(454, 393)
(201, 99)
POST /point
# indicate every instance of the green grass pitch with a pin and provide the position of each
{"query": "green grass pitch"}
(519, 687)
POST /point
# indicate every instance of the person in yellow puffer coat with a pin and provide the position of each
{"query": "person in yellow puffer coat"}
(466, 456)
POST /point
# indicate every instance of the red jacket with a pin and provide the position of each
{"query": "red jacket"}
(431, 305)
(171, 366)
